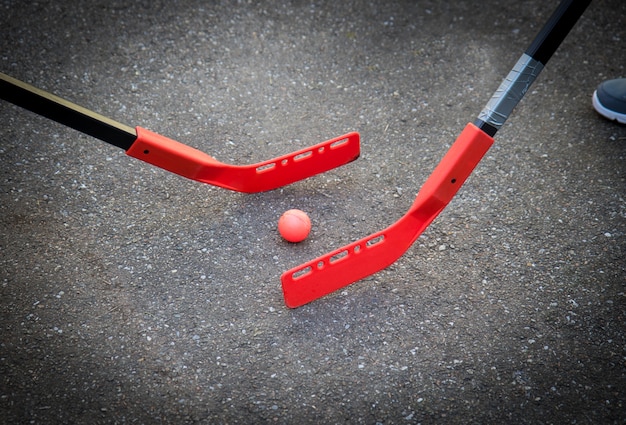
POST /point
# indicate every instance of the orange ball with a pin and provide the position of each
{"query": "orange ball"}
(294, 225)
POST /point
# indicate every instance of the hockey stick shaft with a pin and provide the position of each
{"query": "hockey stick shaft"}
(371, 254)
(529, 65)
(67, 113)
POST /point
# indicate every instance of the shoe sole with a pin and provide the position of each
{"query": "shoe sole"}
(607, 113)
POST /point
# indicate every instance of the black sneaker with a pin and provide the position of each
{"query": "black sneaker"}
(609, 99)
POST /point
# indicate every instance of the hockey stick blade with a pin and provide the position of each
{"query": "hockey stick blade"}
(371, 254)
(189, 162)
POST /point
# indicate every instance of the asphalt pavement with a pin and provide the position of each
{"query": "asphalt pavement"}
(132, 295)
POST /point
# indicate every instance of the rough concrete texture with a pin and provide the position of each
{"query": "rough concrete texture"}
(131, 295)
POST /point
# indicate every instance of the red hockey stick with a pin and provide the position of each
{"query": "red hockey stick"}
(179, 158)
(369, 255)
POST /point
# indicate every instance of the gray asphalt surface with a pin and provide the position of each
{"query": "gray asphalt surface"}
(131, 295)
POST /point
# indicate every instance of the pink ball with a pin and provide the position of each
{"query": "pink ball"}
(294, 225)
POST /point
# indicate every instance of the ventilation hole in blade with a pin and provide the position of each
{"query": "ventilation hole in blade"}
(146, 151)
(265, 167)
(338, 257)
(321, 150)
(339, 143)
(302, 156)
(302, 272)
(374, 241)
(453, 181)
(357, 249)
(320, 265)
(284, 162)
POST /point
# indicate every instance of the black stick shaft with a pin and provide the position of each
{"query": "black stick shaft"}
(65, 112)
(529, 65)
(556, 29)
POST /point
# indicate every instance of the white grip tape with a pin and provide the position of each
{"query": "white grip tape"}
(511, 91)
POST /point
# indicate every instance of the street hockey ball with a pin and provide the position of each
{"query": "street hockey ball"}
(294, 225)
